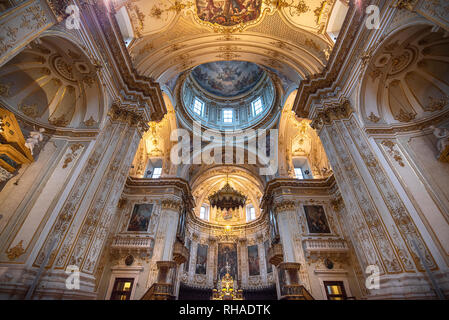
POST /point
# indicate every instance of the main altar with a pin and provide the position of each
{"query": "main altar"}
(227, 289)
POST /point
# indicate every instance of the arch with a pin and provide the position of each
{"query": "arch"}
(211, 180)
(187, 53)
(298, 139)
(53, 83)
(407, 78)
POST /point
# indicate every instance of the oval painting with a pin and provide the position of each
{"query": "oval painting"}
(228, 12)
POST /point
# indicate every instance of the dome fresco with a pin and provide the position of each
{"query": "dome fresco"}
(228, 78)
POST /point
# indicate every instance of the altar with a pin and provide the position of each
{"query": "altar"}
(227, 288)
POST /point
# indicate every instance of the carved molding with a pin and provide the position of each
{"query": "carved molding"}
(171, 204)
(330, 114)
(395, 154)
(285, 205)
(121, 113)
(16, 251)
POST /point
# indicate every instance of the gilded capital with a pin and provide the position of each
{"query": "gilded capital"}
(170, 204)
(285, 205)
(340, 111)
(120, 113)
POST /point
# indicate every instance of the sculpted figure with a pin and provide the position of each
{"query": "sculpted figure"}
(34, 138)
(442, 134)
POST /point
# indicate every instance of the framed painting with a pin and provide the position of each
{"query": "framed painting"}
(228, 12)
(140, 217)
(227, 259)
(253, 260)
(201, 259)
(316, 219)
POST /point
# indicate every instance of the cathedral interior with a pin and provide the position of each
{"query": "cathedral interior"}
(224, 149)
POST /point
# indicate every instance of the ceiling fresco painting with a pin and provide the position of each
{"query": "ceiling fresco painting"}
(228, 12)
(228, 78)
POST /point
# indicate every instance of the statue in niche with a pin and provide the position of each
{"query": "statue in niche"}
(442, 134)
(34, 139)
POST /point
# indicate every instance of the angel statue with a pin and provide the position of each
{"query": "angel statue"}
(442, 134)
(34, 138)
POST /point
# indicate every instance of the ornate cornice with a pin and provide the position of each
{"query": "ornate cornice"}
(353, 21)
(171, 204)
(440, 118)
(146, 90)
(339, 111)
(320, 186)
(285, 205)
(121, 113)
(181, 184)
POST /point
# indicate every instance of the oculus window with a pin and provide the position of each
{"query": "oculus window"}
(227, 115)
(257, 106)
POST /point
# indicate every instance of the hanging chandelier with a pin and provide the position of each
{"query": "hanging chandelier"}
(227, 198)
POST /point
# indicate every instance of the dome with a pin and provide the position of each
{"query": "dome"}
(227, 95)
(228, 78)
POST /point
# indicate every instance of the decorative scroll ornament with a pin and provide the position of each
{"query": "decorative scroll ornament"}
(393, 152)
(15, 252)
(227, 198)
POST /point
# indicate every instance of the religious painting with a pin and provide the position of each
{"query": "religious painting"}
(187, 263)
(228, 12)
(140, 217)
(227, 260)
(316, 219)
(266, 245)
(253, 260)
(228, 78)
(201, 259)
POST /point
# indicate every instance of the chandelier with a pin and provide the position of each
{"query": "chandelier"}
(227, 198)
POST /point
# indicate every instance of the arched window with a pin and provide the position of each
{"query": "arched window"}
(204, 212)
(250, 213)
(228, 115)
(257, 106)
(198, 106)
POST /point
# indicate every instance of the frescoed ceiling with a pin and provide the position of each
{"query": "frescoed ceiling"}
(227, 78)
(167, 37)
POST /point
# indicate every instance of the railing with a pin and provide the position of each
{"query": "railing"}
(295, 292)
(159, 291)
(325, 245)
(132, 242)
